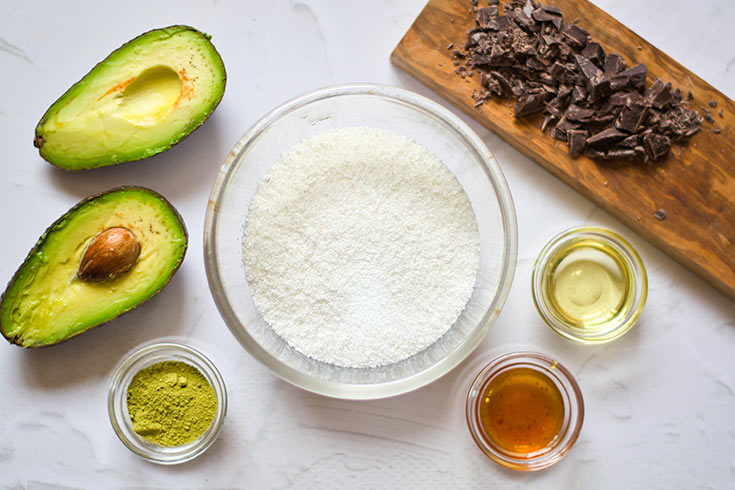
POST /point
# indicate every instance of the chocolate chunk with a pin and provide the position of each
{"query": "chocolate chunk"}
(575, 36)
(483, 17)
(614, 63)
(549, 119)
(659, 94)
(577, 113)
(620, 153)
(632, 116)
(560, 130)
(596, 154)
(579, 94)
(589, 71)
(656, 145)
(594, 52)
(630, 142)
(490, 83)
(712, 103)
(551, 9)
(500, 56)
(605, 138)
(631, 78)
(531, 103)
(708, 116)
(660, 214)
(546, 14)
(577, 139)
(535, 64)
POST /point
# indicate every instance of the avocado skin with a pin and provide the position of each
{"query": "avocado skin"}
(38, 140)
(55, 224)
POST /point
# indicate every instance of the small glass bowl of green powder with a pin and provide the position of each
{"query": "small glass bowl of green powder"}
(167, 402)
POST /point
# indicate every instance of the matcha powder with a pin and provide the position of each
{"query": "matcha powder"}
(171, 403)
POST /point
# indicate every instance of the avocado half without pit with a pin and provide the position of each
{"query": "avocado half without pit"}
(142, 99)
(105, 256)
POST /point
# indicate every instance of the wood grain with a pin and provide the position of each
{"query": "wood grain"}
(696, 184)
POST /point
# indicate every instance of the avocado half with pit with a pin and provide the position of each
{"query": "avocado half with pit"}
(142, 99)
(105, 256)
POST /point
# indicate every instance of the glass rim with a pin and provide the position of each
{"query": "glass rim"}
(631, 261)
(375, 390)
(117, 407)
(573, 402)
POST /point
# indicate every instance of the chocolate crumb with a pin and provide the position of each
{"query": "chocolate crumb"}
(450, 46)
(716, 130)
(639, 47)
(721, 113)
(712, 103)
(660, 214)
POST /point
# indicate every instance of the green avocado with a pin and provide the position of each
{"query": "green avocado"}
(142, 99)
(57, 293)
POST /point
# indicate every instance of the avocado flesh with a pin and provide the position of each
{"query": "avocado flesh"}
(139, 101)
(46, 302)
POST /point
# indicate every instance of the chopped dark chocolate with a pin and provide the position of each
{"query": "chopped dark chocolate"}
(656, 145)
(632, 116)
(606, 138)
(716, 130)
(577, 139)
(483, 16)
(659, 94)
(589, 71)
(590, 99)
(614, 63)
(631, 78)
(579, 94)
(575, 36)
(530, 103)
(721, 113)
(578, 113)
(594, 52)
(712, 103)
(660, 214)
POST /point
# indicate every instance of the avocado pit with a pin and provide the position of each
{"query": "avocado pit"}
(109, 255)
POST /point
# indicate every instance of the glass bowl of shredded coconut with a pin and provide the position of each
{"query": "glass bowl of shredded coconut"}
(360, 241)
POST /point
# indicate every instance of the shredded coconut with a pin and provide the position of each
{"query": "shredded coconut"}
(360, 247)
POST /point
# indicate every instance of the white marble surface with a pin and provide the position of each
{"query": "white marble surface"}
(660, 401)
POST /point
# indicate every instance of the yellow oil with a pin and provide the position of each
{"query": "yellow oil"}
(588, 284)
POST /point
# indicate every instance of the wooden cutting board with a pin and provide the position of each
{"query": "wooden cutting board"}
(696, 184)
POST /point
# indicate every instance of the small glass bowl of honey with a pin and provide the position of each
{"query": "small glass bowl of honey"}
(589, 285)
(524, 410)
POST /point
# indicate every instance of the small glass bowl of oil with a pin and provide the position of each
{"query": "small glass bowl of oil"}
(525, 411)
(589, 285)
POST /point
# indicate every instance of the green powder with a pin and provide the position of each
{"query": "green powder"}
(171, 403)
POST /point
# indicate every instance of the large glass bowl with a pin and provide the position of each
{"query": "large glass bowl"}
(376, 106)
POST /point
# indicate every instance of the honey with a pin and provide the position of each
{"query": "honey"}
(521, 410)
